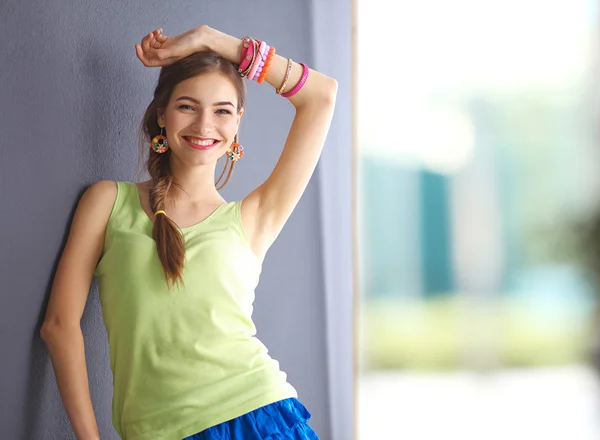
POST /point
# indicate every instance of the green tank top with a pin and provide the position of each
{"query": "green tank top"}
(187, 359)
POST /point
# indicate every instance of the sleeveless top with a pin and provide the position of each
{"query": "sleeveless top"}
(187, 359)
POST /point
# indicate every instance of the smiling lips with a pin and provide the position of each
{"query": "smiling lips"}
(201, 143)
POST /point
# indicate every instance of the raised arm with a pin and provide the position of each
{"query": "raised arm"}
(268, 207)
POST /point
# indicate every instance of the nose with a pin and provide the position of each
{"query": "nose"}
(204, 121)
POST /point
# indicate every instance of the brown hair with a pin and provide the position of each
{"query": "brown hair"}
(169, 240)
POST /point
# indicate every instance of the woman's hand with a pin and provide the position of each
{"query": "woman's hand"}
(157, 50)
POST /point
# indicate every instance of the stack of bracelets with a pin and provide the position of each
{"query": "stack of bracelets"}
(256, 59)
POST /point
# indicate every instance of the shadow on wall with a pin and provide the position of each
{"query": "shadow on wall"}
(109, 108)
(100, 153)
(41, 377)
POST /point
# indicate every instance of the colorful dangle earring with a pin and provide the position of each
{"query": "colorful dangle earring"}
(160, 144)
(235, 152)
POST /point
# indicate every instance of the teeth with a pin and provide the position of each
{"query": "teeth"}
(202, 143)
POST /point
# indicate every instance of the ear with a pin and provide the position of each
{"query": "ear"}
(160, 117)
(239, 117)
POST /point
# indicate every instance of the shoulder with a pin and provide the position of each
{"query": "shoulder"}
(92, 215)
(103, 189)
(100, 196)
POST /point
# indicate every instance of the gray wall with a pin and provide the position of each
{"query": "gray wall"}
(72, 93)
(332, 40)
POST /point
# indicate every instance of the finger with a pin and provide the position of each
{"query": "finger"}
(148, 36)
(146, 42)
(155, 44)
(143, 57)
(140, 54)
(161, 38)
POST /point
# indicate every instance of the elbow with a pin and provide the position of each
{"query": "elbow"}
(45, 330)
(323, 93)
(334, 86)
(330, 91)
(327, 94)
(51, 328)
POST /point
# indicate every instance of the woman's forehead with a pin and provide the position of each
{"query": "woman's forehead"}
(207, 86)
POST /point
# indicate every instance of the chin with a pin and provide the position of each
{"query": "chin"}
(206, 157)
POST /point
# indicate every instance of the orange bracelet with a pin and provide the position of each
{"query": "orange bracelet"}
(267, 65)
(265, 69)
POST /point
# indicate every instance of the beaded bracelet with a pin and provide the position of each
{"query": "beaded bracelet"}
(268, 62)
(263, 60)
(300, 84)
(263, 55)
(258, 61)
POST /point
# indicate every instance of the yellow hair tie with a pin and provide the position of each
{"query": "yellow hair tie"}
(160, 212)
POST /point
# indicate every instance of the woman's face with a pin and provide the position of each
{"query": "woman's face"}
(201, 118)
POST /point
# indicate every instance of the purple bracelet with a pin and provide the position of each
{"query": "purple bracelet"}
(259, 62)
(300, 84)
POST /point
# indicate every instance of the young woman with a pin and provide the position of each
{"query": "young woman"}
(177, 265)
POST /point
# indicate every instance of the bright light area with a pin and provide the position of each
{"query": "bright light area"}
(411, 50)
(539, 404)
(477, 133)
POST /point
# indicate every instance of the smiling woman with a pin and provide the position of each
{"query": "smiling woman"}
(206, 106)
(218, 109)
(178, 307)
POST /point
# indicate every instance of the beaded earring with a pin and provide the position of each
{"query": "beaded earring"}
(160, 144)
(235, 152)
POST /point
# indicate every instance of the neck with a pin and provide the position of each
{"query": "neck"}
(195, 185)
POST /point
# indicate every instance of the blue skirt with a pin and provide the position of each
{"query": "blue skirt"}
(282, 420)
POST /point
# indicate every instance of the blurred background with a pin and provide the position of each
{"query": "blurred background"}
(479, 159)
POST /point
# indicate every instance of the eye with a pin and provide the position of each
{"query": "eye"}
(185, 105)
(227, 112)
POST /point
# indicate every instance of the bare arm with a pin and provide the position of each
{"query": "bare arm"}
(61, 330)
(66, 349)
(266, 209)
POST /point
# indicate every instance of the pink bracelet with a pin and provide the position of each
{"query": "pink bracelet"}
(257, 62)
(247, 53)
(300, 84)
(262, 62)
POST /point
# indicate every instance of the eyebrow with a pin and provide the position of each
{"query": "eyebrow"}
(181, 98)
